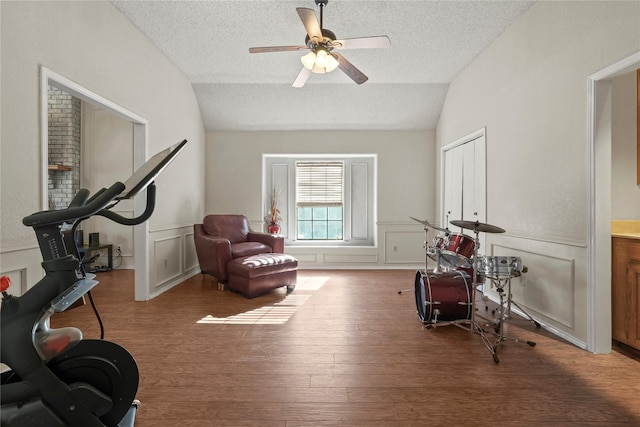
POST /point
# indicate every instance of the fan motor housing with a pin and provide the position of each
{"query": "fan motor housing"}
(327, 34)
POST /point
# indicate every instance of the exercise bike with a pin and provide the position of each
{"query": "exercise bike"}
(56, 377)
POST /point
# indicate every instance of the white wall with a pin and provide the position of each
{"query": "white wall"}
(93, 45)
(406, 187)
(107, 156)
(625, 193)
(529, 89)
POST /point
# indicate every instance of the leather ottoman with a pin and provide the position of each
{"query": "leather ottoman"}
(257, 274)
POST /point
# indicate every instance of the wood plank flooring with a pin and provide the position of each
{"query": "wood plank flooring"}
(345, 349)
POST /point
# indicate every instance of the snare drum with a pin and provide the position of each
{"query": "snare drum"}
(500, 266)
(445, 296)
(459, 250)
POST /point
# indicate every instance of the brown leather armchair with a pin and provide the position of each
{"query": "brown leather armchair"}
(222, 238)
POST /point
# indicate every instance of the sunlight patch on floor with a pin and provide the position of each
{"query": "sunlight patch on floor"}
(312, 283)
(276, 314)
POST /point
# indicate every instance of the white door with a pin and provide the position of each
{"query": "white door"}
(453, 186)
(464, 182)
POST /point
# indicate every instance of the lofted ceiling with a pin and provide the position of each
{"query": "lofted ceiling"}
(431, 42)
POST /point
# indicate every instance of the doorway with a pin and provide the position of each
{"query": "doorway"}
(599, 203)
(140, 232)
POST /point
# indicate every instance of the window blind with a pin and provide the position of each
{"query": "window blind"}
(319, 183)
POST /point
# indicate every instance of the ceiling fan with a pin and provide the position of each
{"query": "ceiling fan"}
(323, 45)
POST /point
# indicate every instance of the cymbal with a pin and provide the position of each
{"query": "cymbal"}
(479, 226)
(425, 222)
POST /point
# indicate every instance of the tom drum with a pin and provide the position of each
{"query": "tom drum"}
(459, 250)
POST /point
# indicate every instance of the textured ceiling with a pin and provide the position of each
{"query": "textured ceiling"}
(431, 42)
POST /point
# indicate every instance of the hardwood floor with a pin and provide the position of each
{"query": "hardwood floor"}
(345, 349)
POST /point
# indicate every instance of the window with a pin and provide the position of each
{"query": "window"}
(320, 223)
(324, 199)
(319, 200)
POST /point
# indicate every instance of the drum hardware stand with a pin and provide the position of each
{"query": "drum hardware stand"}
(506, 313)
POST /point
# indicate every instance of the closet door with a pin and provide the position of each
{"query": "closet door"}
(453, 186)
(474, 181)
(464, 183)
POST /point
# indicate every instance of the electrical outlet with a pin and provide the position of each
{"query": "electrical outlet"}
(119, 249)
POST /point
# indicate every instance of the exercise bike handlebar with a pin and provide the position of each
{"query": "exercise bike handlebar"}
(151, 203)
(100, 201)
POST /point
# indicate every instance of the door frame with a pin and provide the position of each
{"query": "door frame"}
(599, 202)
(140, 125)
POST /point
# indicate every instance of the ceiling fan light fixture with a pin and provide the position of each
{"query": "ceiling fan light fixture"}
(319, 61)
(309, 60)
(321, 58)
(332, 63)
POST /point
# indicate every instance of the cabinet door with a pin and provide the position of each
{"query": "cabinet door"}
(633, 285)
(625, 291)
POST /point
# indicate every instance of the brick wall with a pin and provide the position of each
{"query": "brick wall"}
(64, 147)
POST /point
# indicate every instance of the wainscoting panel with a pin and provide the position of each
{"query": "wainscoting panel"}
(168, 258)
(549, 286)
(350, 259)
(191, 258)
(401, 247)
(22, 263)
(306, 258)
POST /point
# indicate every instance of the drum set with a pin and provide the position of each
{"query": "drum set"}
(446, 295)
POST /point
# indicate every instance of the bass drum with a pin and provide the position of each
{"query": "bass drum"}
(445, 296)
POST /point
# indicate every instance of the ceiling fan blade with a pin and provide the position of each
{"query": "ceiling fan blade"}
(349, 69)
(362, 43)
(310, 22)
(275, 49)
(302, 77)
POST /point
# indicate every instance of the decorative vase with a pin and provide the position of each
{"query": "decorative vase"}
(273, 228)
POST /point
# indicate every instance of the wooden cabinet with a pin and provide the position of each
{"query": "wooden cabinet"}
(625, 291)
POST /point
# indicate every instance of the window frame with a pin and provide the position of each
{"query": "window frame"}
(360, 176)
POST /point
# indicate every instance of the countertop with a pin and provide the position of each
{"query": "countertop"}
(629, 229)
